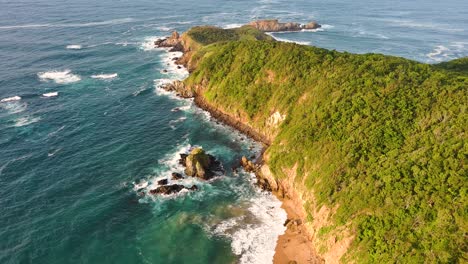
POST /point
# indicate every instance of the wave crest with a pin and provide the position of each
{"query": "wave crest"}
(105, 76)
(59, 77)
(74, 47)
(10, 99)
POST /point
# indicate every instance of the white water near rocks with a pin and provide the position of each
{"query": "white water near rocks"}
(253, 236)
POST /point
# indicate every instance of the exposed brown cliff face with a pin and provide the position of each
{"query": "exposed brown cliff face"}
(273, 25)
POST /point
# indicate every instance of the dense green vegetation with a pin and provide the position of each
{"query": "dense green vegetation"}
(459, 65)
(205, 35)
(381, 137)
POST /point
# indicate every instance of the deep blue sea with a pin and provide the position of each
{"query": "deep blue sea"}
(84, 128)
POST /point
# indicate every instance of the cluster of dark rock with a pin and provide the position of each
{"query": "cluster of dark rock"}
(174, 42)
(250, 166)
(171, 189)
(197, 164)
(179, 88)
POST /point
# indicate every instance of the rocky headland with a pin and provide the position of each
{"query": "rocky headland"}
(295, 246)
(336, 128)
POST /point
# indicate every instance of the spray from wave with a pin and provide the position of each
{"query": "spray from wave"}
(74, 47)
(105, 76)
(59, 77)
(10, 99)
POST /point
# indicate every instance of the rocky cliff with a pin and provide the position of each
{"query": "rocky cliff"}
(351, 140)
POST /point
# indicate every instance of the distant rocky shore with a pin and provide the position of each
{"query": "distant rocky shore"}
(273, 25)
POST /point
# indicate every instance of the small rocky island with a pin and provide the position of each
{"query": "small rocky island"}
(273, 25)
(198, 164)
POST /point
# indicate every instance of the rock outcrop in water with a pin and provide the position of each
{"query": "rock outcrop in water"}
(171, 189)
(200, 164)
(273, 25)
(176, 176)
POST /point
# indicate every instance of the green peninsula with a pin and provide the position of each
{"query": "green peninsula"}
(372, 146)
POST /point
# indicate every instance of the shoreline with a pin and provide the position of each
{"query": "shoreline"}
(295, 245)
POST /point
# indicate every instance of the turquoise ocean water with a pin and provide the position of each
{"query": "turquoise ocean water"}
(92, 128)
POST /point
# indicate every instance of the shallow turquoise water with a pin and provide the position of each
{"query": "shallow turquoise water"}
(69, 164)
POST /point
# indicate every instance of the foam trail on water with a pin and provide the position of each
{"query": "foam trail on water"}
(229, 26)
(105, 76)
(74, 47)
(164, 28)
(447, 52)
(10, 99)
(174, 71)
(287, 40)
(26, 120)
(148, 43)
(59, 77)
(13, 107)
(52, 94)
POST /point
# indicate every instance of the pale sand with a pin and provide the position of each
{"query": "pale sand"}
(294, 246)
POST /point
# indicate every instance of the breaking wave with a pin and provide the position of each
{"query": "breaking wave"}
(74, 47)
(59, 77)
(105, 76)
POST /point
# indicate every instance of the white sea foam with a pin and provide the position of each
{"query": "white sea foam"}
(10, 99)
(254, 234)
(256, 243)
(164, 28)
(105, 76)
(52, 94)
(141, 185)
(26, 120)
(60, 77)
(448, 51)
(167, 165)
(288, 40)
(53, 152)
(53, 133)
(14, 107)
(159, 83)
(326, 26)
(228, 26)
(173, 123)
(174, 71)
(74, 47)
(148, 43)
(439, 53)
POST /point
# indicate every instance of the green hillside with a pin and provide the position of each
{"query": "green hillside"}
(380, 138)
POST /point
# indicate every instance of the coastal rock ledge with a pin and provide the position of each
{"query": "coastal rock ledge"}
(273, 25)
